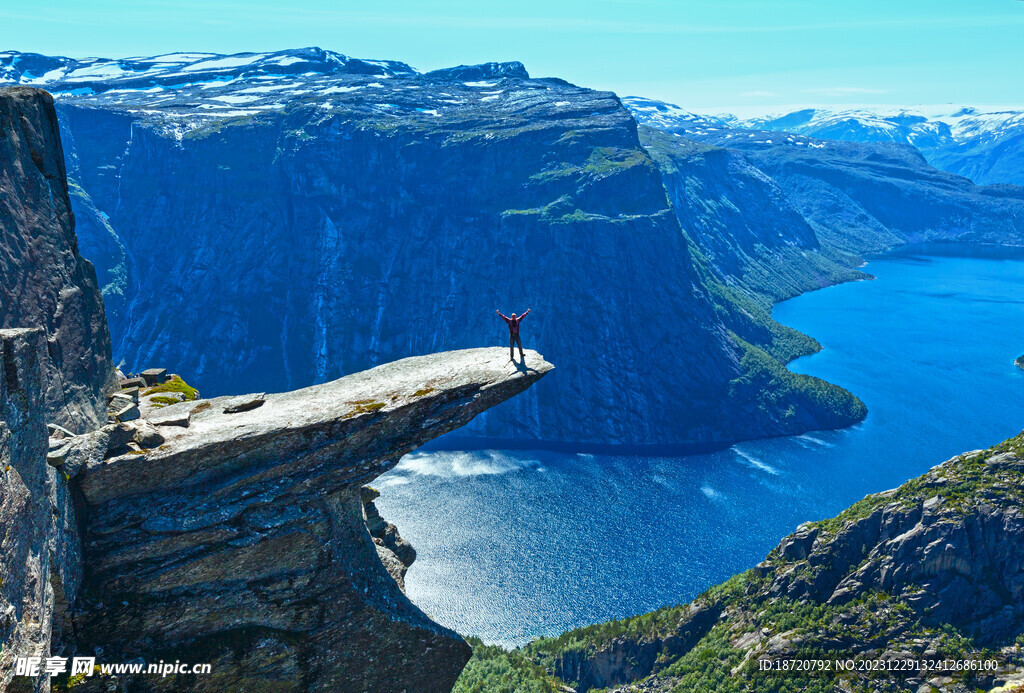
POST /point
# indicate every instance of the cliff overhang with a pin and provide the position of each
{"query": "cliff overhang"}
(232, 530)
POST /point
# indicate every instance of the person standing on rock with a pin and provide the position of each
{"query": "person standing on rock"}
(513, 334)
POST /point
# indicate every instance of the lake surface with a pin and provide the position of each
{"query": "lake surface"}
(516, 544)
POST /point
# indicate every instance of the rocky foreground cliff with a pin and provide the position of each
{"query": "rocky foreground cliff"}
(234, 531)
(231, 531)
(930, 571)
(44, 281)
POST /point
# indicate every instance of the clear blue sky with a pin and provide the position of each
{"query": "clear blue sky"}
(701, 54)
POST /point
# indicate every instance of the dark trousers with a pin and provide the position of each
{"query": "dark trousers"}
(513, 339)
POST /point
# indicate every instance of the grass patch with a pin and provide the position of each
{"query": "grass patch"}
(164, 400)
(424, 391)
(202, 406)
(174, 384)
(364, 406)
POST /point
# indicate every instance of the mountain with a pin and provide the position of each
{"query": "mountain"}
(860, 197)
(928, 574)
(267, 221)
(57, 291)
(742, 221)
(985, 145)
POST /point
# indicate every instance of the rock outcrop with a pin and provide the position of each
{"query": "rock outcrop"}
(931, 570)
(237, 530)
(394, 552)
(40, 553)
(44, 281)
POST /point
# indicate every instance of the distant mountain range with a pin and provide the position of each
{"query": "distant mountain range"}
(985, 145)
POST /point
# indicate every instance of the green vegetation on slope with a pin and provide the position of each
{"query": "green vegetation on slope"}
(970, 477)
(794, 402)
(801, 401)
(493, 669)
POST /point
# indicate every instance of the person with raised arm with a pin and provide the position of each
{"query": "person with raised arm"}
(513, 334)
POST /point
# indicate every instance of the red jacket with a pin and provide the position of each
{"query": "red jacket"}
(513, 323)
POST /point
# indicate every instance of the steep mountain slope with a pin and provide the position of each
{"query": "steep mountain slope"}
(863, 198)
(264, 221)
(985, 145)
(56, 288)
(860, 197)
(929, 574)
(742, 221)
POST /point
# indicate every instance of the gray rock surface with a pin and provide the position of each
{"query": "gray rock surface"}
(40, 554)
(395, 553)
(244, 533)
(44, 281)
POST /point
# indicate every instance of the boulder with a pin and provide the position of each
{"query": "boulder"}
(146, 435)
(120, 411)
(236, 405)
(131, 392)
(154, 376)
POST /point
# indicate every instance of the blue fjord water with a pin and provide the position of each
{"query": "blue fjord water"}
(516, 544)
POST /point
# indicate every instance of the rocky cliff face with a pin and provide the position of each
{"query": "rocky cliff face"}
(932, 569)
(234, 531)
(40, 551)
(268, 221)
(240, 538)
(742, 221)
(44, 282)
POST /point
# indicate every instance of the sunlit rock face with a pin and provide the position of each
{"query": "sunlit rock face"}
(44, 281)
